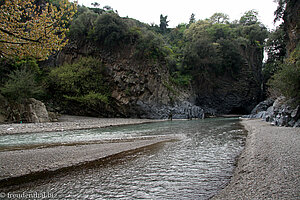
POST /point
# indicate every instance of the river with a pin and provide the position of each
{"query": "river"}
(196, 166)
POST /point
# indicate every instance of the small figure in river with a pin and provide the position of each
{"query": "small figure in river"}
(171, 116)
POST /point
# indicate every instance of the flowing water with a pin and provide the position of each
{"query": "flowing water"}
(195, 167)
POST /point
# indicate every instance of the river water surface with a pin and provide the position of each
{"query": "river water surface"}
(196, 166)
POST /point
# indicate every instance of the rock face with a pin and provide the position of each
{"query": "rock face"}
(182, 110)
(143, 89)
(139, 89)
(279, 113)
(291, 24)
(233, 93)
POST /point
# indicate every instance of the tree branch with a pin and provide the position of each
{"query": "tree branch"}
(20, 37)
(3, 41)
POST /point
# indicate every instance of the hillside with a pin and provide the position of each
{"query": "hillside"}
(120, 67)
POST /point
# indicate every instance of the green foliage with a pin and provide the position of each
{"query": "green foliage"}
(219, 18)
(163, 23)
(101, 26)
(192, 19)
(28, 64)
(249, 18)
(82, 81)
(91, 99)
(275, 48)
(286, 81)
(181, 79)
(109, 30)
(82, 26)
(276, 45)
(151, 46)
(21, 85)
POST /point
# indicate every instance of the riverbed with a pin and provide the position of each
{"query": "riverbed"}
(197, 165)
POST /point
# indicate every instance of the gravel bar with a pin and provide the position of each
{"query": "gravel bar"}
(15, 164)
(269, 166)
(67, 122)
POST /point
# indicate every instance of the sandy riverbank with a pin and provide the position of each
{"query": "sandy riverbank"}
(67, 122)
(269, 166)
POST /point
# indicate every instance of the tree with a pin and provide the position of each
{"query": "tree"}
(109, 30)
(21, 85)
(219, 18)
(108, 8)
(163, 23)
(192, 19)
(249, 17)
(95, 4)
(28, 30)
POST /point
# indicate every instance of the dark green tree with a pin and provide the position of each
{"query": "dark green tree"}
(192, 19)
(95, 4)
(219, 18)
(109, 30)
(163, 23)
(21, 85)
(249, 17)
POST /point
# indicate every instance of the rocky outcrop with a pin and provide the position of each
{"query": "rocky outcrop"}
(262, 106)
(36, 111)
(228, 95)
(181, 110)
(280, 113)
(292, 24)
(139, 88)
(30, 111)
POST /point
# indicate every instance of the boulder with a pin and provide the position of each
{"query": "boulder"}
(296, 113)
(262, 106)
(36, 111)
(278, 114)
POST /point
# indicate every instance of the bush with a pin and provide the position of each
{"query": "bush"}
(287, 79)
(109, 30)
(21, 85)
(181, 79)
(151, 46)
(82, 82)
(82, 26)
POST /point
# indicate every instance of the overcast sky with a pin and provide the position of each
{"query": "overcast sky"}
(149, 11)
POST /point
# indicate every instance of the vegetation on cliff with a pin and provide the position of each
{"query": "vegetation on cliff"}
(220, 60)
(283, 65)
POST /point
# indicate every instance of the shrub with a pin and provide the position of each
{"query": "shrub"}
(82, 26)
(181, 79)
(109, 30)
(287, 79)
(151, 46)
(82, 82)
(21, 85)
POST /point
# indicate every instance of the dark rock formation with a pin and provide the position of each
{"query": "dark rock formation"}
(280, 113)
(233, 92)
(138, 88)
(292, 24)
(262, 106)
(228, 95)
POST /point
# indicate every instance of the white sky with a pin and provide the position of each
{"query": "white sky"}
(180, 11)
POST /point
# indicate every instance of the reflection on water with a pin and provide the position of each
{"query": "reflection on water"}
(196, 167)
